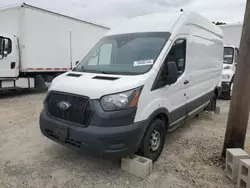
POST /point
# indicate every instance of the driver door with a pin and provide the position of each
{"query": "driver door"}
(9, 57)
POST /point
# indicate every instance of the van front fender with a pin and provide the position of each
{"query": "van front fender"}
(151, 110)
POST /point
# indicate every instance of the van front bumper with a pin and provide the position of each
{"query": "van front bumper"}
(105, 142)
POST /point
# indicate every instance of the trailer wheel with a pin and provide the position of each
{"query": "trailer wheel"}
(40, 83)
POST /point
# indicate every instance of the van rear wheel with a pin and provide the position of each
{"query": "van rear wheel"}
(153, 140)
(212, 104)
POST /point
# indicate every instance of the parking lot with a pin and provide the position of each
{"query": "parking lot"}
(28, 159)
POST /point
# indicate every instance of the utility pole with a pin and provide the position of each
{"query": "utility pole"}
(240, 103)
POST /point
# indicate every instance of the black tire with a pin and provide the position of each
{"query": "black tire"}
(40, 83)
(49, 79)
(145, 148)
(228, 93)
(212, 104)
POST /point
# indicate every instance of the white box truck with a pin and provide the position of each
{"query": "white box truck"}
(137, 83)
(36, 45)
(232, 36)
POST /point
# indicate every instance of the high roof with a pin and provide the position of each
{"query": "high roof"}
(231, 25)
(162, 22)
(41, 9)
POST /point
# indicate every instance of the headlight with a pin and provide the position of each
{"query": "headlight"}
(225, 76)
(119, 101)
(226, 67)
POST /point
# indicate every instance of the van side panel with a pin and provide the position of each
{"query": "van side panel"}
(204, 64)
(203, 70)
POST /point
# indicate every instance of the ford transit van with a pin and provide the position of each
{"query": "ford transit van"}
(136, 84)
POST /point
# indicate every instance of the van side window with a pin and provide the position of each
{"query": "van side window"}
(178, 54)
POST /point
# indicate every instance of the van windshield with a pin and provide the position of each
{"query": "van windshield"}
(127, 54)
(228, 55)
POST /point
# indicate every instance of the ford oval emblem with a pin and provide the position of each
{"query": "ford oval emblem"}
(64, 105)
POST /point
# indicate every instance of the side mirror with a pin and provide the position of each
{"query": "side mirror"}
(172, 72)
(77, 62)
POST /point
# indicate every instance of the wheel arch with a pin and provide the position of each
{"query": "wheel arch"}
(162, 114)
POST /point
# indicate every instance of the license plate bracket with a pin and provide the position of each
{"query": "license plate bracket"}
(61, 132)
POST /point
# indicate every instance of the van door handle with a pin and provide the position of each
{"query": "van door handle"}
(186, 82)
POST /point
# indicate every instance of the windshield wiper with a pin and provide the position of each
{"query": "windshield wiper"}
(96, 71)
(107, 72)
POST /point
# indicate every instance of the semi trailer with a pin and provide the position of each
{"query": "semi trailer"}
(36, 45)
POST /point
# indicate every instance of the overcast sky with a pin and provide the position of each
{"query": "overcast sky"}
(111, 12)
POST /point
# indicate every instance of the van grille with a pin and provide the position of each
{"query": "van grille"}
(78, 110)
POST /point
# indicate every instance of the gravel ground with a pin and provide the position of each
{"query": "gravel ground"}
(191, 157)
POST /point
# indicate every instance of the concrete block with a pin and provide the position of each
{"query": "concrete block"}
(244, 174)
(137, 165)
(233, 157)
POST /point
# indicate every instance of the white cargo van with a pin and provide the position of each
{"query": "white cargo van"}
(136, 84)
(231, 36)
(36, 45)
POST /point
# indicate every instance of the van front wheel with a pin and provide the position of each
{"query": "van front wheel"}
(154, 139)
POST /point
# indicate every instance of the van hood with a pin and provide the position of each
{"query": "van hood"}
(95, 85)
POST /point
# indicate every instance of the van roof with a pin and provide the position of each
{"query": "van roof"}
(162, 22)
(232, 25)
